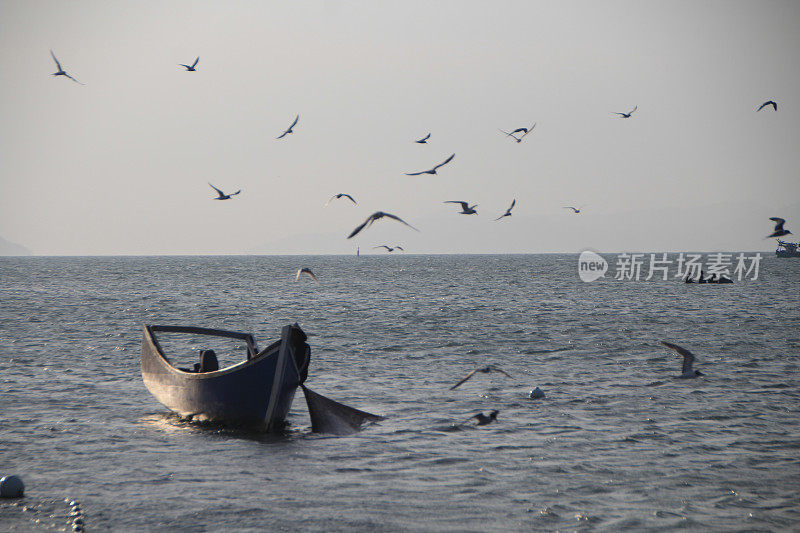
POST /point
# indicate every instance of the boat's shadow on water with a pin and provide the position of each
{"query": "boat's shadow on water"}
(175, 424)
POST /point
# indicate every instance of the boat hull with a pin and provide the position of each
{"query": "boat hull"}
(256, 392)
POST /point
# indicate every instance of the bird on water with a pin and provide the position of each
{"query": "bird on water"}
(486, 419)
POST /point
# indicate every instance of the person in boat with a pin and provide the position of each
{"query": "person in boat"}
(208, 362)
(701, 279)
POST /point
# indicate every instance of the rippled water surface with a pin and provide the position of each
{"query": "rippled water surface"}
(618, 443)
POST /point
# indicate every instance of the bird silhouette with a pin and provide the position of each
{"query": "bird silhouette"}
(424, 140)
(466, 209)
(524, 131)
(628, 114)
(778, 231)
(341, 194)
(377, 215)
(576, 209)
(222, 196)
(306, 271)
(389, 248)
(688, 360)
(484, 370)
(768, 102)
(61, 71)
(433, 170)
(289, 129)
(191, 68)
(508, 211)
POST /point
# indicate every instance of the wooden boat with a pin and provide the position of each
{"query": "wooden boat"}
(256, 392)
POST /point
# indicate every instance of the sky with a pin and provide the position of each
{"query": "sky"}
(121, 165)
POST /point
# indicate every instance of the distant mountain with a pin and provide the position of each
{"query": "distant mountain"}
(10, 248)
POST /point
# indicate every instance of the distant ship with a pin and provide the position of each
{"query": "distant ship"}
(787, 249)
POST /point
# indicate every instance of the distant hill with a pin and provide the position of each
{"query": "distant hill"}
(10, 248)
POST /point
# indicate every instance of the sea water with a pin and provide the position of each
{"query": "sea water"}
(617, 443)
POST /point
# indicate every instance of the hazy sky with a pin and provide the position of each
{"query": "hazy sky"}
(121, 165)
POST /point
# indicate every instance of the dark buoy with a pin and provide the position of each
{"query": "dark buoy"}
(11, 487)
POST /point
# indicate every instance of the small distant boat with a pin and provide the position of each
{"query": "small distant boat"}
(787, 249)
(255, 392)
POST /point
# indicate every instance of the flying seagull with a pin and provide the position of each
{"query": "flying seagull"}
(222, 196)
(377, 215)
(433, 170)
(524, 132)
(576, 209)
(306, 271)
(486, 419)
(688, 360)
(289, 129)
(466, 209)
(424, 140)
(768, 102)
(61, 71)
(508, 211)
(484, 370)
(389, 248)
(629, 113)
(337, 196)
(190, 68)
(778, 231)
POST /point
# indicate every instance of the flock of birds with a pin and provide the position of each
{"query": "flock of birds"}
(518, 134)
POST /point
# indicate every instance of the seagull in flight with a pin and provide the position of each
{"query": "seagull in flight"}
(424, 140)
(433, 170)
(765, 104)
(377, 215)
(778, 231)
(289, 129)
(191, 68)
(389, 248)
(629, 113)
(337, 196)
(576, 209)
(485, 419)
(222, 196)
(524, 132)
(688, 360)
(484, 370)
(466, 209)
(61, 71)
(508, 211)
(307, 271)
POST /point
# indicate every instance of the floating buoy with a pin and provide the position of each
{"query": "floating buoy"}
(536, 394)
(11, 487)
